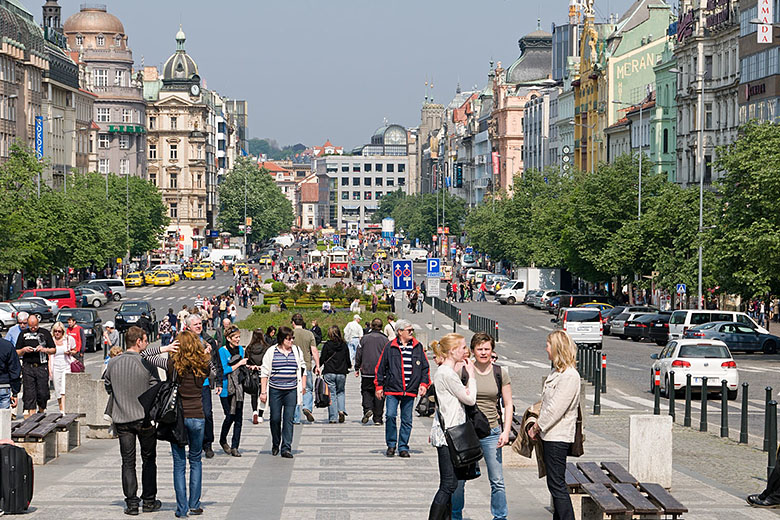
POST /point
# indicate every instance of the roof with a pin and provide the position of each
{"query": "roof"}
(93, 19)
(535, 60)
(273, 168)
(180, 66)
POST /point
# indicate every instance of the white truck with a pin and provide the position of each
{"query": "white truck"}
(528, 279)
(229, 255)
(285, 240)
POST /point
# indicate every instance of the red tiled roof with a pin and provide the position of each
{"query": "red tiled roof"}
(273, 168)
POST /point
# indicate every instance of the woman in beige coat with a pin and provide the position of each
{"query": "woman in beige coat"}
(558, 419)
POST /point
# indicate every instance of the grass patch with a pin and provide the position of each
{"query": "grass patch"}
(259, 320)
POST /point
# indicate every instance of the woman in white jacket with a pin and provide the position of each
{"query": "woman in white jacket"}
(557, 421)
(451, 396)
(283, 380)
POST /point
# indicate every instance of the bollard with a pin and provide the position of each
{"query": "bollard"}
(687, 419)
(496, 331)
(603, 373)
(703, 415)
(671, 396)
(743, 427)
(766, 417)
(772, 407)
(657, 393)
(579, 360)
(589, 363)
(597, 388)
(724, 408)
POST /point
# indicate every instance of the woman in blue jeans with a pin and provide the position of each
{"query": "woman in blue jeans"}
(494, 399)
(336, 355)
(190, 364)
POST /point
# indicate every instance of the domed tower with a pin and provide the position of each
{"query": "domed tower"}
(180, 71)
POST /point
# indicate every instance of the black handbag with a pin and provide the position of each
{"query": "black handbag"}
(161, 401)
(462, 441)
(479, 420)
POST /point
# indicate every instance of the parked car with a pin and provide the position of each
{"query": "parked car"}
(117, 286)
(682, 320)
(511, 293)
(529, 296)
(544, 297)
(64, 296)
(99, 286)
(700, 358)
(552, 305)
(130, 311)
(34, 308)
(89, 320)
(639, 327)
(135, 279)
(603, 307)
(658, 328)
(573, 300)
(618, 325)
(583, 325)
(52, 305)
(468, 260)
(736, 335)
(492, 280)
(7, 315)
(95, 298)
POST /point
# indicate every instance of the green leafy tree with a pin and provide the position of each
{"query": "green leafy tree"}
(141, 205)
(388, 203)
(270, 210)
(417, 214)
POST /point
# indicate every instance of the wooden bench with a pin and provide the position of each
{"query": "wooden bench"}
(68, 434)
(37, 435)
(609, 489)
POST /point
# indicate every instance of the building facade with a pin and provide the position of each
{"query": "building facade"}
(663, 122)
(759, 80)
(308, 203)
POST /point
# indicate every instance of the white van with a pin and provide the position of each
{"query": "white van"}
(117, 286)
(417, 255)
(513, 292)
(285, 240)
(684, 319)
(229, 255)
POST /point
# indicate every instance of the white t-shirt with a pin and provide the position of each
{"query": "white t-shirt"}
(61, 359)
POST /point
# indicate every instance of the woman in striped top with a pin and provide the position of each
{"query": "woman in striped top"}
(283, 380)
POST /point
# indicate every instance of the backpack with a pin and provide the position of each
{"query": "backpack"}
(321, 393)
(222, 305)
(464, 377)
(427, 403)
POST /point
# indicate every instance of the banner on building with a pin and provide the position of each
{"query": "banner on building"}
(766, 15)
(39, 137)
(495, 163)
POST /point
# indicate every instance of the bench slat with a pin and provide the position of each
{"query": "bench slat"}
(27, 425)
(635, 499)
(571, 481)
(576, 474)
(594, 473)
(619, 473)
(657, 493)
(604, 499)
(66, 420)
(50, 418)
(42, 430)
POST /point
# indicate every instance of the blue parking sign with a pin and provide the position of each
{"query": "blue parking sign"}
(402, 275)
(434, 268)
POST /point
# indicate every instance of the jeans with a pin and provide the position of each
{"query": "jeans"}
(231, 419)
(492, 456)
(392, 436)
(165, 339)
(370, 402)
(146, 434)
(195, 442)
(5, 398)
(307, 401)
(448, 482)
(353, 345)
(208, 412)
(282, 404)
(555, 464)
(336, 383)
(482, 297)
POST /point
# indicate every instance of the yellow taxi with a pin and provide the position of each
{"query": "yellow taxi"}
(265, 260)
(135, 279)
(175, 276)
(163, 278)
(380, 253)
(149, 277)
(240, 269)
(199, 273)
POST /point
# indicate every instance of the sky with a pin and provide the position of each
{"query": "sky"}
(313, 70)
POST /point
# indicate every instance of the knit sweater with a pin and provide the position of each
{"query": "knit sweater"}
(129, 376)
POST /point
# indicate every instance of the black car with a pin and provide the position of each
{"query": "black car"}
(658, 328)
(637, 329)
(33, 308)
(89, 320)
(130, 312)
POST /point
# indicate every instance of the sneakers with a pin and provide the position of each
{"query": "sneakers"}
(208, 452)
(390, 452)
(366, 416)
(260, 419)
(342, 416)
(151, 507)
(196, 512)
(309, 416)
(254, 418)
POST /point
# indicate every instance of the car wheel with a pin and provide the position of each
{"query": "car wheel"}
(117, 297)
(622, 336)
(770, 347)
(502, 302)
(96, 303)
(634, 338)
(732, 395)
(511, 300)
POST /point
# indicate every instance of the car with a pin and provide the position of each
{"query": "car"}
(264, 260)
(175, 268)
(596, 305)
(117, 286)
(130, 312)
(473, 274)
(684, 319)
(542, 299)
(64, 296)
(468, 260)
(174, 275)
(95, 298)
(700, 358)
(53, 307)
(534, 299)
(135, 279)
(199, 273)
(240, 269)
(618, 325)
(658, 328)
(380, 254)
(639, 328)
(554, 304)
(492, 279)
(7, 315)
(149, 277)
(34, 308)
(511, 293)
(416, 254)
(610, 314)
(105, 289)
(573, 300)
(163, 278)
(583, 325)
(736, 335)
(89, 320)
(529, 296)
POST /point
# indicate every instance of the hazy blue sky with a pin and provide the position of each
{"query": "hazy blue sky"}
(315, 70)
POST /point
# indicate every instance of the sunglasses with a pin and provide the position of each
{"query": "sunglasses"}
(58, 332)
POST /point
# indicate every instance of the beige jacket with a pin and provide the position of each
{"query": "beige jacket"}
(560, 398)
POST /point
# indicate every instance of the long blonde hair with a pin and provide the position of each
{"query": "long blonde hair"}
(562, 349)
(448, 342)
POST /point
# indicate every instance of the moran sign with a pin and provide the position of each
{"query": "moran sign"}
(720, 13)
(630, 73)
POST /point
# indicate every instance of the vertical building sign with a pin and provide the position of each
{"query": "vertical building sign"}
(39, 137)
(495, 163)
(767, 16)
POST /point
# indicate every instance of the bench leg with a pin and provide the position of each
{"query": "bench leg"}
(68, 439)
(41, 451)
(576, 504)
(589, 509)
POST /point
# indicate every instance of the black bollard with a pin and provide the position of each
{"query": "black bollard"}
(768, 398)
(703, 415)
(671, 392)
(687, 418)
(772, 406)
(724, 408)
(577, 363)
(588, 364)
(597, 388)
(743, 427)
(603, 373)
(657, 393)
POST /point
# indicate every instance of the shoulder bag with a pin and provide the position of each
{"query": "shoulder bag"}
(577, 448)
(462, 441)
(76, 366)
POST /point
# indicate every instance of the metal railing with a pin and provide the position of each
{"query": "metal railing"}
(482, 324)
(445, 308)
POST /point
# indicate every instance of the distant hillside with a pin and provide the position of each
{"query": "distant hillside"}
(271, 149)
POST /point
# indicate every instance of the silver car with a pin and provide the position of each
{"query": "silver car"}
(94, 297)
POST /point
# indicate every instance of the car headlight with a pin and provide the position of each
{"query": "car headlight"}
(88, 332)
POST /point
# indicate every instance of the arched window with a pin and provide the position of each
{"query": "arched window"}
(100, 40)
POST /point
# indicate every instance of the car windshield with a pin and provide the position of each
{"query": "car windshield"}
(704, 352)
(81, 316)
(468, 258)
(198, 270)
(646, 318)
(132, 307)
(7, 307)
(583, 315)
(622, 316)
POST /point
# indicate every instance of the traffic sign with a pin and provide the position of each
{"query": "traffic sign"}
(681, 289)
(469, 250)
(433, 287)
(375, 266)
(434, 268)
(289, 259)
(402, 275)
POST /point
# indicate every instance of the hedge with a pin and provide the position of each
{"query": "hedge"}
(259, 320)
(278, 287)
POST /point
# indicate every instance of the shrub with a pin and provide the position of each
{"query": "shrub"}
(351, 293)
(279, 287)
(269, 280)
(316, 290)
(262, 309)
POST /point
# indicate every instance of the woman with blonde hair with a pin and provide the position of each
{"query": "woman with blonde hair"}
(451, 396)
(59, 362)
(557, 421)
(189, 364)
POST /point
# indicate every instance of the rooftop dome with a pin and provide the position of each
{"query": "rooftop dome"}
(535, 59)
(179, 67)
(93, 19)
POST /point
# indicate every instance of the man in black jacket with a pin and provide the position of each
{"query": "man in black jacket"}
(10, 375)
(366, 357)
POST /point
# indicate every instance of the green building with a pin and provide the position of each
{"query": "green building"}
(663, 122)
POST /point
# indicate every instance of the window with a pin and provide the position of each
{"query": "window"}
(124, 142)
(152, 151)
(153, 178)
(345, 181)
(124, 166)
(367, 195)
(345, 168)
(103, 166)
(367, 167)
(707, 116)
(707, 169)
(366, 181)
(152, 123)
(119, 78)
(200, 210)
(79, 39)
(391, 168)
(378, 181)
(100, 40)
(355, 168)
(355, 195)
(378, 195)
(174, 152)
(344, 195)
(390, 181)
(708, 67)
(117, 40)
(174, 122)
(666, 140)
(200, 181)
(127, 115)
(401, 168)
(174, 210)
(356, 181)
(402, 181)
(173, 180)
(378, 168)
(103, 115)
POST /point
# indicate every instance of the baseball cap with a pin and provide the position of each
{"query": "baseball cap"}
(110, 324)
(356, 317)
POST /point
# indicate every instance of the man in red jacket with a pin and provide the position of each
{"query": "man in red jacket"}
(402, 374)
(76, 332)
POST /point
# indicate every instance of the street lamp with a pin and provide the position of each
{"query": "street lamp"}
(591, 127)
(641, 144)
(65, 173)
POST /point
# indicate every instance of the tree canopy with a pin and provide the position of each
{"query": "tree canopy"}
(418, 214)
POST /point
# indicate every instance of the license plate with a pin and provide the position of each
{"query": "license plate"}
(658, 325)
(584, 329)
(132, 319)
(711, 381)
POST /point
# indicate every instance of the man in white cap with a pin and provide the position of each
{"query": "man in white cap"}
(352, 334)
(110, 336)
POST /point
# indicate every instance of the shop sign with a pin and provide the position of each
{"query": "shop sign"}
(722, 15)
(754, 90)
(126, 129)
(766, 16)
(684, 26)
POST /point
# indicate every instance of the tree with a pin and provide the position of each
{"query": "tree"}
(144, 208)
(388, 203)
(417, 214)
(270, 210)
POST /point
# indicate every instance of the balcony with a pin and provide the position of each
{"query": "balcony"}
(131, 93)
(110, 54)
